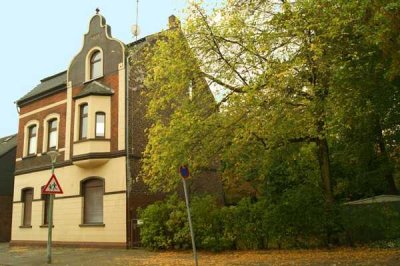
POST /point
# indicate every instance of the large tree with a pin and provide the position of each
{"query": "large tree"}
(289, 72)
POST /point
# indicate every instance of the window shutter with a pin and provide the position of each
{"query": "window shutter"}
(28, 198)
(93, 202)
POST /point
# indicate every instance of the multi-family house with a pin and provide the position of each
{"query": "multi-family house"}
(91, 115)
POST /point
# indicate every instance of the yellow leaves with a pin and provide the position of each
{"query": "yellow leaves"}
(342, 256)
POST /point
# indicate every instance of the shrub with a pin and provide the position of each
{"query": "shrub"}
(208, 224)
(370, 222)
(165, 225)
(299, 219)
(153, 233)
(244, 224)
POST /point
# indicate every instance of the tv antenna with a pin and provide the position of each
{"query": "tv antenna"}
(135, 27)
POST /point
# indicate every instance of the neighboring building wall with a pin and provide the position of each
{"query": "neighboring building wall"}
(140, 195)
(7, 167)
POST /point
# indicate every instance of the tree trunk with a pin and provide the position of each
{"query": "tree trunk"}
(324, 165)
(391, 186)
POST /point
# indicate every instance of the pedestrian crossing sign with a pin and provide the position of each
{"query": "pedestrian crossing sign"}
(52, 187)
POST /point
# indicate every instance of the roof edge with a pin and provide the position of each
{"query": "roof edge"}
(53, 76)
(41, 95)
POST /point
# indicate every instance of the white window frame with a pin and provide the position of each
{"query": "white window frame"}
(26, 137)
(89, 65)
(45, 146)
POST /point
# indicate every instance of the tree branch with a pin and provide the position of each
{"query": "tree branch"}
(220, 82)
(218, 49)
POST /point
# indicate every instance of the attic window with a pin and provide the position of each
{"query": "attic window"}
(96, 65)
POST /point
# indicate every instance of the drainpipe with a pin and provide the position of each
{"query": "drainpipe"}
(127, 147)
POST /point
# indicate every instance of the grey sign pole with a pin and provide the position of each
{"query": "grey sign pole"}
(190, 222)
(184, 171)
(53, 155)
(50, 225)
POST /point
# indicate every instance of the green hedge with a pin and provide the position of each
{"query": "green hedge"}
(299, 219)
(370, 222)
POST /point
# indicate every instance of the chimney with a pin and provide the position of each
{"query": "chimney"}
(173, 22)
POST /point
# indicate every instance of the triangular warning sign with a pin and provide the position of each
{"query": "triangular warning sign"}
(52, 187)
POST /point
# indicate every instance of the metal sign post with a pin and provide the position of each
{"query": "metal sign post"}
(184, 171)
(52, 187)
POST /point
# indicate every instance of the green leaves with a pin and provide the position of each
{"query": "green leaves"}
(314, 78)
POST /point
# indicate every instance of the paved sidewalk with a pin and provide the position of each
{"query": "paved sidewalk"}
(139, 257)
(72, 256)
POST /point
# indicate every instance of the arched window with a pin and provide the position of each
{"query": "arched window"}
(32, 139)
(96, 65)
(93, 191)
(52, 135)
(100, 130)
(83, 121)
(27, 198)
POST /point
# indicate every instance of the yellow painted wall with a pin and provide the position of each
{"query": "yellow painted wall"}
(68, 211)
(91, 146)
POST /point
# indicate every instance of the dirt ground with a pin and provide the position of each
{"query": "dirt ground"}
(97, 257)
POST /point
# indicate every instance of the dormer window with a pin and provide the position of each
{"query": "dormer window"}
(96, 65)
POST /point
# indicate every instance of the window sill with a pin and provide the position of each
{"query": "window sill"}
(47, 151)
(46, 226)
(25, 226)
(92, 225)
(92, 139)
(29, 156)
(93, 79)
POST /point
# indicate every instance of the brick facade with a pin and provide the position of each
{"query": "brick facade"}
(140, 196)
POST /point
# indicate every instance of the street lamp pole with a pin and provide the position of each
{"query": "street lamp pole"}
(53, 155)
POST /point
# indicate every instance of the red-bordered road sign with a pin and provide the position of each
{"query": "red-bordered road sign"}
(52, 187)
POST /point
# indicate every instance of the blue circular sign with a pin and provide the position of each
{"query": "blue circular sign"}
(184, 171)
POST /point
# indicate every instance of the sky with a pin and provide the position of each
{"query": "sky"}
(39, 39)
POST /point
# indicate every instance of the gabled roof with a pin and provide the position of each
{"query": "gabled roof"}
(7, 144)
(58, 81)
(47, 85)
(95, 88)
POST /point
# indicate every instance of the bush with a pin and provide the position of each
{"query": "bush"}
(370, 222)
(298, 219)
(244, 224)
(165, 225)
(208, 224)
